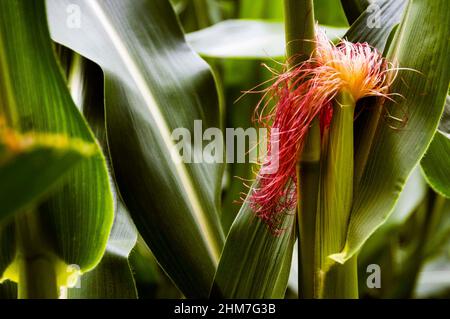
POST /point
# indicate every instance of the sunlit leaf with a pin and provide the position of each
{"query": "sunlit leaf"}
(76, 219)
(154, 83)
(112, 278)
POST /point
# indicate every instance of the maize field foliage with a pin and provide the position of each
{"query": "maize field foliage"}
(94, 205)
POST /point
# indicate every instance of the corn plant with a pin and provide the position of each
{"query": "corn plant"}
(108, 190)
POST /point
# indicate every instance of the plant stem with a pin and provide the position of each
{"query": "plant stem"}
(299, 27)
(300, 35)
(335, 202)
(37, 273)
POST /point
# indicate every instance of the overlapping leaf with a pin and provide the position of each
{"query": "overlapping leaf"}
(112, 278)
(44, 157)
(78, 216)
(154, 84)
(255, 263)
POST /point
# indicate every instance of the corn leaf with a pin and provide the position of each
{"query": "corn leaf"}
(77, 218)
(8, 290)
(245, 39)
(435, 163)
(255, 263)
(112, 278)
(392, 154)
(44, 157)
(154, 83)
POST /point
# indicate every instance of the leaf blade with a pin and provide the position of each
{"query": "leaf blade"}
(151, 71)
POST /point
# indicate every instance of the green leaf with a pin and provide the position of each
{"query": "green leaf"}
(246, 39)
(77, 218)
(44, 157)
(255, 263)
(392, 154)
(435, 164)
(154, 83)
(112, 278)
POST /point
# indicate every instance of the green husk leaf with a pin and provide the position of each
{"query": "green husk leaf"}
(394, 153)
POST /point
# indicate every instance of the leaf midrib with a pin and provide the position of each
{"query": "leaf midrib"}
(198, 212)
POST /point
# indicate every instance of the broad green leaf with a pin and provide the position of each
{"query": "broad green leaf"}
(32, 164)
(154, 83)
(435, 164)
(77, 218)
(255, 263)
(394, 153)
(112, 278)
(246, 39)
